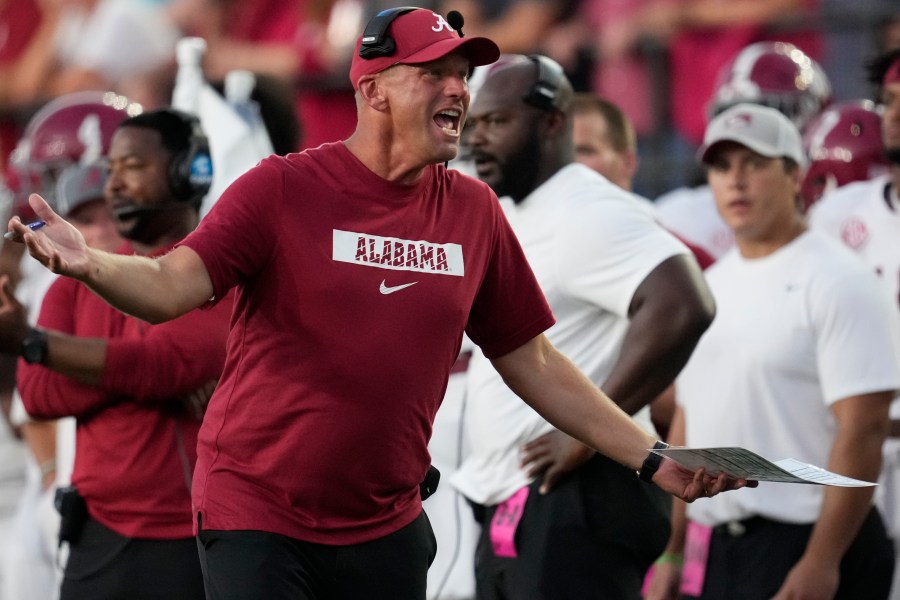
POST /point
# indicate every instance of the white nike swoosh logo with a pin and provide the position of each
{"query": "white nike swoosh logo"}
(390, 290)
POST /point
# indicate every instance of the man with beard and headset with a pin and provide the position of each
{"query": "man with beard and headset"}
(132, 387)
(630, 304)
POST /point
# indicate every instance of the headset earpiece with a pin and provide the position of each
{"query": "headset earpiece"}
(190, 171)
(544, 94)
(375, 40)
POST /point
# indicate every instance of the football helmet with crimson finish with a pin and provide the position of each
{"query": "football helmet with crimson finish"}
(71, 131)
(774, 74)
(843, 144)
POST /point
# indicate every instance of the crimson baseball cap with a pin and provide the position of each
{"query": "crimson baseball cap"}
(764, 130)
(421, 36)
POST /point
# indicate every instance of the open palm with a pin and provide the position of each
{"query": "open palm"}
(58, 245)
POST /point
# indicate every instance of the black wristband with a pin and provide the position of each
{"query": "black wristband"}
(651, 463)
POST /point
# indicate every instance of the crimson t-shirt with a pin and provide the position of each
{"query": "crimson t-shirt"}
(353, 293)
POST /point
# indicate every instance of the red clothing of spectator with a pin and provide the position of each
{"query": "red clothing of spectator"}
(624, 81)
(327, 114)
(19, 19)
(697, 55)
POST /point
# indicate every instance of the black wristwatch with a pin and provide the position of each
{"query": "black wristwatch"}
(651, 463)
(34, 347)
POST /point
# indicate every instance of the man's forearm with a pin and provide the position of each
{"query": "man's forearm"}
(133, 284)
(81, 359)
(856, 452)
(152, 289)
(843, 513)
(679, 509)
(552, 385)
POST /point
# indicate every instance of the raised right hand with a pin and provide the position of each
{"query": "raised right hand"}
(58, 245)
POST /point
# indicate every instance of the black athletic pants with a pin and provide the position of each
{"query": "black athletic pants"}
(238, 565)
(749, 560)
(592, 537)
(104, 565)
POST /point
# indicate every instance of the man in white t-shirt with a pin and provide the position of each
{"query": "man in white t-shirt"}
(801, 362)
(864, 216)
(630, 304)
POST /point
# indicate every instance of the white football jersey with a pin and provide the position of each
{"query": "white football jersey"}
(865, 216)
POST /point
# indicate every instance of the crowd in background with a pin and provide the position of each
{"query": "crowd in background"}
(658, 60)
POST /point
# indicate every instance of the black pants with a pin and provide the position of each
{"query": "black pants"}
(241, 565)
(594, 536)
(751, 562)
(103, 565)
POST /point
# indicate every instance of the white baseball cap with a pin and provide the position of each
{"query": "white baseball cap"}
(77, 185)
(760, 128)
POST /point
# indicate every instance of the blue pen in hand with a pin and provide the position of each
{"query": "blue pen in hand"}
(10, 235)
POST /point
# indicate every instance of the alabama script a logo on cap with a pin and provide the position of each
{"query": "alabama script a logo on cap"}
(441, 24)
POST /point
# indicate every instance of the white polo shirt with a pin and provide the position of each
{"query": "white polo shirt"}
(865, 216)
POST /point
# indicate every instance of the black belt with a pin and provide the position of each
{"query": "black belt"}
(744, 526)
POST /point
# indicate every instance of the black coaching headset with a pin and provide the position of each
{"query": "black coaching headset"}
(190, 170)
(544, 94)
(375, 40)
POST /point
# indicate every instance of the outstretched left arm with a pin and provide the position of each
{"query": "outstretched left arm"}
(552, 385)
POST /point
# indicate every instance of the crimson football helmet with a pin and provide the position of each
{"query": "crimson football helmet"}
(843, 144)
(774, 74)
(70, 131)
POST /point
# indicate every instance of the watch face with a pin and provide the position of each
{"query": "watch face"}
(34, 348)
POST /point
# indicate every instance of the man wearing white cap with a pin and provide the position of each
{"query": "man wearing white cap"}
(801, 362)
(358, 265)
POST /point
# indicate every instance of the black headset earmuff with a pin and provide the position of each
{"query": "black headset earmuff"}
(190, 171)
(375, 40)
(544, 93)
